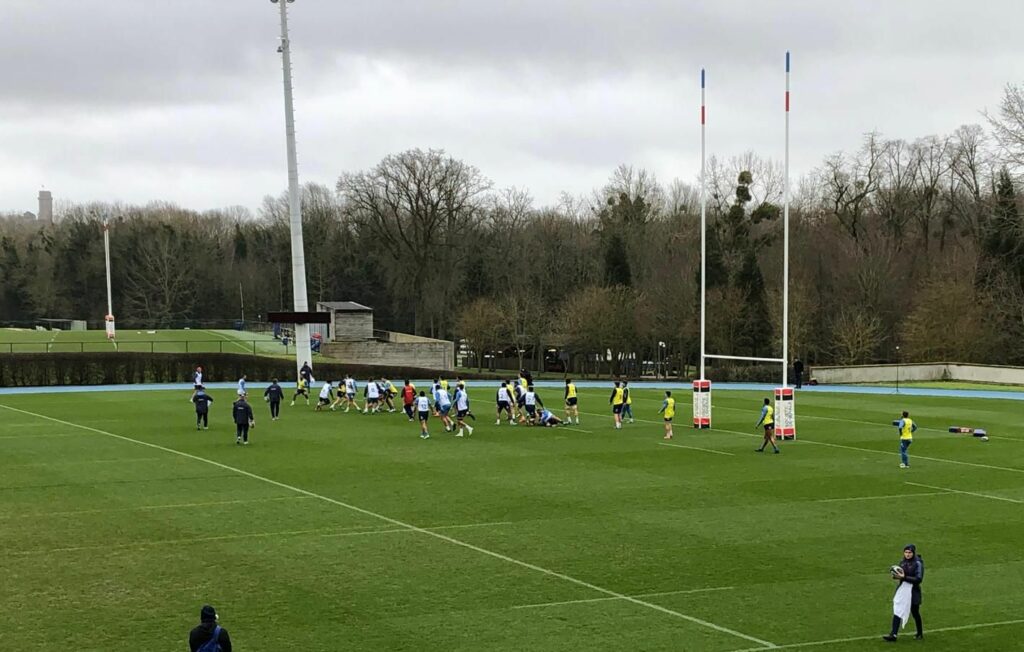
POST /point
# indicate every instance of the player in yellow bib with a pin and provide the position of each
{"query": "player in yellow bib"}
(617, 399)
(906, 428)
(572, 408)
(768, 421)
(668, 410)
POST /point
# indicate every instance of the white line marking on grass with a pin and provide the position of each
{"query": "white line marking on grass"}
(694, 448)
(607, 598)
(230, 340)
(76, 462)
(414, 528)
(833, 641)
(968, 493)
(840, 500)
(575, 429)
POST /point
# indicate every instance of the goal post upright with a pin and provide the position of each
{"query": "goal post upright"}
(785, 412)
(702, 387)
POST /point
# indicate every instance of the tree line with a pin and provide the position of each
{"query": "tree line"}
(909, 249)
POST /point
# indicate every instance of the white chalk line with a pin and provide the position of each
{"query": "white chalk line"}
(911, 495)
(878, 637)
(414, 528)
(694, 448)
(79, 462)
(967, 493)
(609, 598)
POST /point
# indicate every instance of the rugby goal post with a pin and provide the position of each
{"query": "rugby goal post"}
(785, 408)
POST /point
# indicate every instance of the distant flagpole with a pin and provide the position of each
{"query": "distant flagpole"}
(785, 244)
(703, 227)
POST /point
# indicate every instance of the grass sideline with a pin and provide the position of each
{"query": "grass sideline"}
(344, 531)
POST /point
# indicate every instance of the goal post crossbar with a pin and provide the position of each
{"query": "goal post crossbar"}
(742, 357)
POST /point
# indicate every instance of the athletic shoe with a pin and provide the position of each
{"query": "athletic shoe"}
(758, 450)
(245, 443)
(498, 422)
(425, 435)
(458, 434)
(206, 427)
(469, 428)
(904, 466)
(919, 636)
(776, 451)
(292, 404)
(667, 437)
(891, 638)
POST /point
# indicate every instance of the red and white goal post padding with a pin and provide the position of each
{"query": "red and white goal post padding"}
(110, 326)
(702, 404)
(785, 414)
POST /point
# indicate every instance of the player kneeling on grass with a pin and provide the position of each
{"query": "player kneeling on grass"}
(423, 410)
(768, 421)
(244, 419)
(547, 419)
(668, 411)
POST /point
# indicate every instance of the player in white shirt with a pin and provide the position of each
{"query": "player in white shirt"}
(326, 394)
(530, 402)
(372, 396)
(444, 405)
(241, 385)
(423, 410)
(350, 393)
(462, 409)
(504, 399)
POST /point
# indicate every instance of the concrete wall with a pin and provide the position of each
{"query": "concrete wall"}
(352, 326)
(914, 372)
(429, 354)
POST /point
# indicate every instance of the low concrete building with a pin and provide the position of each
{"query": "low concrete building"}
(352, 338)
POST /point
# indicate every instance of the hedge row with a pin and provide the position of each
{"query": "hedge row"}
(117, 368)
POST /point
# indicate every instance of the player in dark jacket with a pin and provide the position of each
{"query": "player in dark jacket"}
(202, 633)
(202, 401)
(242, 413)
(912, 572)
(273, 395)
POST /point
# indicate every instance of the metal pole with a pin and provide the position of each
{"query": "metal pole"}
(302, 352)
(241, 302)
(703, 228)
(109, 318)
(785, 246)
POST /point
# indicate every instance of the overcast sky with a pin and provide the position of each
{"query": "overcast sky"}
(181, 100)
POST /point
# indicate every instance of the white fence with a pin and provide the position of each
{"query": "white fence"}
(890, 373)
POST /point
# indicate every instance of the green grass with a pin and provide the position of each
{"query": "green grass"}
(14, 340)
(302, 540)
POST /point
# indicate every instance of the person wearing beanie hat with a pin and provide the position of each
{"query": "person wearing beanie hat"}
(208, 635)
(909, 571)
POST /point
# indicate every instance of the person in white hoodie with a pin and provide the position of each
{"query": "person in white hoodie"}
(909, 573)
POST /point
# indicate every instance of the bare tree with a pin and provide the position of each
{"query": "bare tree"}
(1008, 125)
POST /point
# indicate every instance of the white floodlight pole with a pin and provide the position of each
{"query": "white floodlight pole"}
(109, 318)
(302, 350)
(703, 230)
(785, 245)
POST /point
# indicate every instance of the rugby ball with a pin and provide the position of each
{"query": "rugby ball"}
(985, 438)
(895, 571)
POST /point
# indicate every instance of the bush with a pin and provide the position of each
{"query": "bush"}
(115, 368)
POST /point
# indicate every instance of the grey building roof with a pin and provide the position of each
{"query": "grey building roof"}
(345, 306)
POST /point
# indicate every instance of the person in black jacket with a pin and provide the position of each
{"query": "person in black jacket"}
(798, 373)
(242, 413)
(273, 395)
(911, 571)
(202, 633)
(202, 401)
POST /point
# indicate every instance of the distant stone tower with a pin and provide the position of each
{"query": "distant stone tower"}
(45, 207)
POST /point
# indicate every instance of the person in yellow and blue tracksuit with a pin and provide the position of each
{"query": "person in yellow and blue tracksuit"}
(572, 407)
(627, 402)
(906, 428)
(768, 421)
(668, 411)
